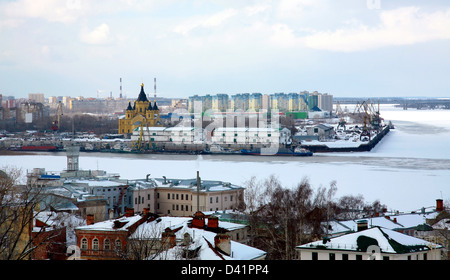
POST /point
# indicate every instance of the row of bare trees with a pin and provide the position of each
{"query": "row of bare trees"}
(281, 218)
(69, 123)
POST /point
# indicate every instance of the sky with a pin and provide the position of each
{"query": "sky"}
(347, 48)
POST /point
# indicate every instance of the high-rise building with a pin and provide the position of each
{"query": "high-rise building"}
(255, 101)
(326, 102)
(36, 97)
(240, 101)
(220, 102)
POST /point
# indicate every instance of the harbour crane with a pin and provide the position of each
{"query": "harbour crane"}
(56, 122)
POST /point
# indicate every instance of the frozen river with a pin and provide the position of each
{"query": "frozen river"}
(409, 169)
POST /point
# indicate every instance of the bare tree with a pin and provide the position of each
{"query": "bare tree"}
(19, 207)
(350, 207)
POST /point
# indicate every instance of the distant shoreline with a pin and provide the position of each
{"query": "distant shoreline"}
(15, 153)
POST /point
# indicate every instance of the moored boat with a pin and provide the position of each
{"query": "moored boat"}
(298, 151)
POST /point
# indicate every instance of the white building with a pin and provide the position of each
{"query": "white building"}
(175, 135)
(256, 136)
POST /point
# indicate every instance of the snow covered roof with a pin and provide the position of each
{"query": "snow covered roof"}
(199, 240)
(388, 241)
(110, 225)
(97, 183)
(206, 185)
(392, 222)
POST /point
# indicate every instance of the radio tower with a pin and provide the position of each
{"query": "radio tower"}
(155, 86)
(120, 88)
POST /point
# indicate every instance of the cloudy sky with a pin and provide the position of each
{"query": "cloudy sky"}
(363, 48)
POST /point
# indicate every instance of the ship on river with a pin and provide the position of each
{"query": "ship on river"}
(298, 151)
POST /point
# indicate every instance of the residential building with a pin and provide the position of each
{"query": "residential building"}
(49, 237)
(325, 102)
(280, 102)
(293, 102)
(36, 97)
(255, 102)
(313, 100)
(219, 102)
(107, 240)
(114, 191)
(370, 243)
(200, 237)
(240, 101)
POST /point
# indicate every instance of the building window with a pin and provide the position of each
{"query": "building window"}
(332, 256)
(107, 245)
(345, 257)
(84, 244)
(148, 197)
(118, 244)
(359, 257)
(217, 199)
(210, 200)
(168, 196)
(315, 256)
(95, 244)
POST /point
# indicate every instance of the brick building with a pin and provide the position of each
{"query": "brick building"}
(107, 240)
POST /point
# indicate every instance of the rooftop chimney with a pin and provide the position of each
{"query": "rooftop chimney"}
(439, 205)
(362, 225)
(199, 220)
(129, 212)
(223, 243)
(89, 219)
(213, 222)
(168, 238)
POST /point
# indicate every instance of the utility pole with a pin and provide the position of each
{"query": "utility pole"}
(198, 191)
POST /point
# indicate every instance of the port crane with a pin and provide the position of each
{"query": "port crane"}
(56, 122)
(140, 143)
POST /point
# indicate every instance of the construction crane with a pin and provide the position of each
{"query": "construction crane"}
(140, 143)
(56, 122)
(340, 115)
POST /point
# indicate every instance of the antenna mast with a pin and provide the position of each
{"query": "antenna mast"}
(120, 88)
(155, 86)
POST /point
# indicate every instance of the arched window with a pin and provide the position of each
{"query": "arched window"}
(95, 244)
(84, 244)
(106, 245)
(118, 244)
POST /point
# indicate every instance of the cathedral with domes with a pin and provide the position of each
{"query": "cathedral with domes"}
(142, 113)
